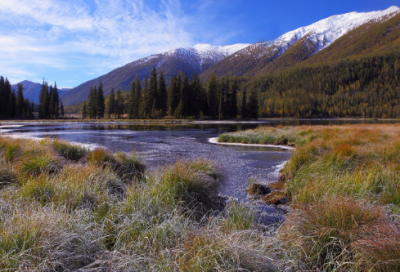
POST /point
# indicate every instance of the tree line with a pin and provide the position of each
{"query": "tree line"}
(183, 98)
(358, 87)
(12, 103)
(50, 104)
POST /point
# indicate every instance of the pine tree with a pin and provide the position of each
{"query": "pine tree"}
(62, 108)
(212, 96)
(138, 95)
(147, 103)
(233, 110)
(162, 95)
(100, 109)
(56, 101)
(184, 102)
(153, 101)
(119, 104)
(195, 96)
(132, 98)
(84, 111)
(20, 103)
(243, 112)
(89, 105)
(51, 102)
(44, 101)
(252, 106)
(111, 104)
(172, 100)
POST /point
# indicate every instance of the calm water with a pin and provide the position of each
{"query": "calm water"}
(164, 144)
(159, 145)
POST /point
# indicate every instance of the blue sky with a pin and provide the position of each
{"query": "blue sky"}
(77, 40)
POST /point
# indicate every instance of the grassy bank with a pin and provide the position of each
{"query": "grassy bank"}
(344, 184)
(65, 208)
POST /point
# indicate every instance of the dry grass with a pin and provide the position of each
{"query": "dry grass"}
(332, 178)
(103, 212)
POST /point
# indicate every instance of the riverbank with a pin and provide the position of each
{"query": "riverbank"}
(63, 207)
(343, 183)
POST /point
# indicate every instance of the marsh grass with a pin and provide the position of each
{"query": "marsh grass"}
(69, 151)
(85, 216)
(333, 234)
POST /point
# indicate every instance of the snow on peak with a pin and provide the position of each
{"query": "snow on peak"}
(328, 30)
(226, 50)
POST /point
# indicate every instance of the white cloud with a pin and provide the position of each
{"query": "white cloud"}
(71, 35)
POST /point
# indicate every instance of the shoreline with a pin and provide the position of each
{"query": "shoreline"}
(215, 141)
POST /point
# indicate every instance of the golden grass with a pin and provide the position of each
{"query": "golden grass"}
(103, 212)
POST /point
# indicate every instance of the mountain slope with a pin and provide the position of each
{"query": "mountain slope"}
(190, 60)
(31, 90)
(296, 45)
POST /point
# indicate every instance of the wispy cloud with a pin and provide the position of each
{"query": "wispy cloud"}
(69, 35)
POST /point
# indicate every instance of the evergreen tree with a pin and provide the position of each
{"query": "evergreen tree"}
(90, 103)
(62, 108)
(132, 98)
(184, 102)
(148, 102)
(111, 104)
(162, 95)
(172, 100)
(100, 102)
(252, 105)
(44, 101)
(243, 112)
(84, 111)
(20, 103)
(212, 98)
(119, 104)
(233, 109)
(51, 102)
(153, 101)
(56, 101)
(138, 95)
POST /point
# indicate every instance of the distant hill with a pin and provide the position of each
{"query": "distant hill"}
(190, 60)
(31, 90)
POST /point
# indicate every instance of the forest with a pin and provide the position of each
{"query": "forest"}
(12, 103)
(367, 87)
(183, 98)
(355, 87)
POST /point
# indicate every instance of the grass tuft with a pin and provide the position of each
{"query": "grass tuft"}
(69, 151)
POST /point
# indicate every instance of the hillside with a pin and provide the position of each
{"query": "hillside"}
(190, 60)
(295, 46)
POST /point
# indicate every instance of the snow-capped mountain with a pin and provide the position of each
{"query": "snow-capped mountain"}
(191, 60)
(315, 38)
(201, 56)
(325, 32)
(238, 59)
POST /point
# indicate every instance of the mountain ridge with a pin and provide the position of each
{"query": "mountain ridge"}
(285, 51)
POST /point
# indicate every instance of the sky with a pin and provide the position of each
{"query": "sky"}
(73, 41)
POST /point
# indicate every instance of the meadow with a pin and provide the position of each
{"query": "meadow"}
(66, 208)
(344, 186)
